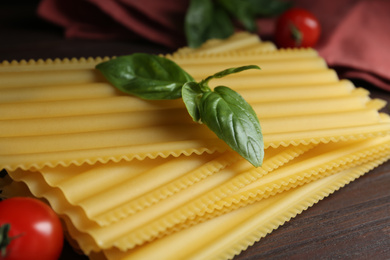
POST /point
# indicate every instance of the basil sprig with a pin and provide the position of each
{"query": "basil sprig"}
(214, 19)
(222, 109)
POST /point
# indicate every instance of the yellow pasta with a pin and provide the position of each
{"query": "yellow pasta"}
(198, 201)
(48, 78)
(228, 235)
(114, 233)
(64, 140)
(50, 64)
(63, 190)
(57, 93)
(262, 103)
(295, 115)
(296, 173)
(289, 65)
(225, 236)
(241, 41)
(150, 226)
(314, 67)
(125, 127)
(240, 56)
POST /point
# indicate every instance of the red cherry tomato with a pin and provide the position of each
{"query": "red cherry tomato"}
(297, 28)
(35, 231)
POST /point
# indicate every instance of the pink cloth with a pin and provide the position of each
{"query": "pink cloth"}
(157, 21)
(355, 36)
(360, 44)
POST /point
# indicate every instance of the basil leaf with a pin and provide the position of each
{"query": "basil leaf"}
(197, 21)
(228, 72)
(204, 20)
(233, 120)
(221, 26)
(242, 11)
(146, 76)
(212, 19)
(191, 94)
(269, 8)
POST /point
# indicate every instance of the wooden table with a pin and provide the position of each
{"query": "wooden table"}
(353, 223)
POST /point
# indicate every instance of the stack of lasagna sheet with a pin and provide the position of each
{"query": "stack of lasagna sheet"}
(136, 179)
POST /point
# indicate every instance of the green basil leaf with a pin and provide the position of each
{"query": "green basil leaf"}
(233, 120)
(221, 26)
(191, 94)
(268, 8)
(146, 76)
(197, 22)
(228, 72)
(204, 20)
(241, 10)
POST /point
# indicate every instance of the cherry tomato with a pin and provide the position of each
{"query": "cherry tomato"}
(35, 231)
(297, 28)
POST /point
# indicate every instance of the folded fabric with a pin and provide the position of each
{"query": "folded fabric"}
(359, 45)
(160, 22)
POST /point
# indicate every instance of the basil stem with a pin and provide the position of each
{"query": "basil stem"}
(227, 72)
(223, 110)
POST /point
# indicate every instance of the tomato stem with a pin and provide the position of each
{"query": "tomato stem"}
(5, 239)
(296, 34)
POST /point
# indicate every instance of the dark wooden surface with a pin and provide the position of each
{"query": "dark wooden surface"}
(353, 223)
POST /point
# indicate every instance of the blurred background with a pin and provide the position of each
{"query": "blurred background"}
(25, 35)
(354, 33)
